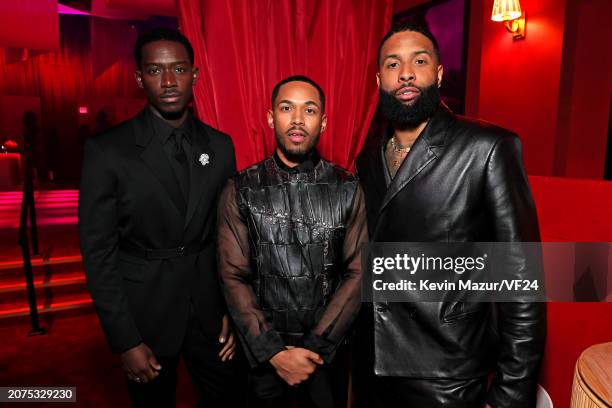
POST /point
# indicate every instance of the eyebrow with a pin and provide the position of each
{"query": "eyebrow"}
(391, 56)
(396, 56)
(171, 63)
(305, 103)
(422, 52)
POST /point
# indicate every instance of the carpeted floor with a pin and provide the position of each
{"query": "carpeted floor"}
(73, 353)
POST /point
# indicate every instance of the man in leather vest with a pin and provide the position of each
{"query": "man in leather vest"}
(437, 177)
(290, 232)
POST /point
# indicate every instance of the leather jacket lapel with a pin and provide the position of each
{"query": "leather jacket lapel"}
(420, 156)
(423, 153)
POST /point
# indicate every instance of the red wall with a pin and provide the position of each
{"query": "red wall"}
(572, 210)
(519, 80)
(553, 88)
(585, 90)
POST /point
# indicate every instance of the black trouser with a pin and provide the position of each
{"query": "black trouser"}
(394, 392)
(216, 383)
(327, 387)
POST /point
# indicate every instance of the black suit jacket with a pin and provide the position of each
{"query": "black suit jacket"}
(130, 197)
(463, 181)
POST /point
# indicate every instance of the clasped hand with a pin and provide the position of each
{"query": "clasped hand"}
(295, 364)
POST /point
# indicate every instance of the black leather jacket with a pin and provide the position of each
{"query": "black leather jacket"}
(463, 181)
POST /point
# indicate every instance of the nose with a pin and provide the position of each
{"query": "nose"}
(407, 74)
(168, 80)
(297, 118)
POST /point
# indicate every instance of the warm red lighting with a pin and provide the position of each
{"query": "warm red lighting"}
(56, 260)
(83, 110)
(20, 284)
(30, 24)
(10, 144)
(55, 306)
(55, 207)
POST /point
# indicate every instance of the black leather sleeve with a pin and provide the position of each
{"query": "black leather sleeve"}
(99, 236)
(522, 326)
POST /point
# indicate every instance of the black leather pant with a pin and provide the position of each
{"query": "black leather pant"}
(430, 393)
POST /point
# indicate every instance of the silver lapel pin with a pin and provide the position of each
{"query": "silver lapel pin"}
(204, 159)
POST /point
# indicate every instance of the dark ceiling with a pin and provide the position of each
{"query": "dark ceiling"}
(83, 5)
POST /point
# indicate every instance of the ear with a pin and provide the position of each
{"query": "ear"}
(378, 79)
(270, 119)
(196, 75)
(440, 75)
(138, 76)
(323, 122)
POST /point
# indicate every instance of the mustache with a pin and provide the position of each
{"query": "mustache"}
(407, 85)
(301, 129)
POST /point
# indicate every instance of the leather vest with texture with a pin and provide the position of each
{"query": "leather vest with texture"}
(296, 223)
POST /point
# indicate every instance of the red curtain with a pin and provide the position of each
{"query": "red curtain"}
(245, 47)
(29, 24)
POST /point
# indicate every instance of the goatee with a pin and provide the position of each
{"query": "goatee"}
(296, 154)
(410, 116)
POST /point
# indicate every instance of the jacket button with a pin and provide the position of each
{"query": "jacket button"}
(181, 249)
(412, 313)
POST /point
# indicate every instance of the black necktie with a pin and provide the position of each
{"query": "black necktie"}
(182, 166)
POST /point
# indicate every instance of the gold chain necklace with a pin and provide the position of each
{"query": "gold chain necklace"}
(397, 148)
(399, 153)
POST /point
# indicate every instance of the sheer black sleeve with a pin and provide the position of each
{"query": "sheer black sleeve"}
(254, 326)
(341, 311)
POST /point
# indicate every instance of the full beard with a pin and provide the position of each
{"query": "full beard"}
(410, 116)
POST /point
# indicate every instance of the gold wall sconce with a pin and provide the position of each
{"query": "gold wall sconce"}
(509, 12)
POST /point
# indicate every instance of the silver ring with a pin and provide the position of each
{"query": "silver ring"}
(137, 379)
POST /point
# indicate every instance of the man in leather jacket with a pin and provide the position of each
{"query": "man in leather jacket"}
(438, 177)
(290, 230)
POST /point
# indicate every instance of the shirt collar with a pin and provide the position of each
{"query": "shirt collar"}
(164, 130)
(308, 164)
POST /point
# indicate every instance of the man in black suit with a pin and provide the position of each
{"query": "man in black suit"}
(438, 177)
(147, 219)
